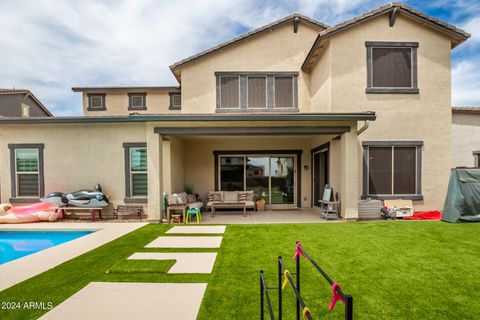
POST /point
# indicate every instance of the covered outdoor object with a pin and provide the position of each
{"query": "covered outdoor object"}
(463, 196)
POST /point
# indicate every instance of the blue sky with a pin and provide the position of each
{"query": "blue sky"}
(49, 46)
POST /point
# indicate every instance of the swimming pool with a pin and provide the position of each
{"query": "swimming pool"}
(17, 244)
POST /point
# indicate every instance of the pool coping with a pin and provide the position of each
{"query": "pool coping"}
(21, 269)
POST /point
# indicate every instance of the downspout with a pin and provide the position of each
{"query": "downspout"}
(363, 128)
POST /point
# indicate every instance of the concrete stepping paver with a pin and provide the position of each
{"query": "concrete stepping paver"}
(197, 229)
(186, 262)
(139, 301)
(186, 242)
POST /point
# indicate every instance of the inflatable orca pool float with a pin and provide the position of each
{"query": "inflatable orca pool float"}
(84, 198)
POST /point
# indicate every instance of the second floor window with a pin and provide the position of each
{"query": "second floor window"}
(392, 67)
(256, 91)
(137, 101)
(175, 101)
(96, 102)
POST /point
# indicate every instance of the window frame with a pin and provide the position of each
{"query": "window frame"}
(172, 106)
(90, 96)
(129, 198)
(370, 45)
(14, 191)
(476, 158)
(132, 95)
(393, 144)
(243, 91)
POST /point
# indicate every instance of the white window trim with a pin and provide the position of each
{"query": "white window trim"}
(17, 173)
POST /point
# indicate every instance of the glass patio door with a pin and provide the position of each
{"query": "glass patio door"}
(272, 178)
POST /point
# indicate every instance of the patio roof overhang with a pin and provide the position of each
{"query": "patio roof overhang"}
(251, 131)
(358, 116)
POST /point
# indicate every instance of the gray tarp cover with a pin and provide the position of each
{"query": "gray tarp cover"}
(463, 196)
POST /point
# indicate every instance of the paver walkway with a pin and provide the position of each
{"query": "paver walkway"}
(197, 229)
(186, 262)
(186, 242)
(124, 300)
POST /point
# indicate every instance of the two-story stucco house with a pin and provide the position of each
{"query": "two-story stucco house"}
(364, 106)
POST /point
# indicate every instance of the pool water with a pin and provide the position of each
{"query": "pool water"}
(17, 244)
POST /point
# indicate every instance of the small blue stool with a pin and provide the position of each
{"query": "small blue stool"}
(196, 212)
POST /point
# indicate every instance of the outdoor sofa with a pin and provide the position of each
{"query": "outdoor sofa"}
(231, 200)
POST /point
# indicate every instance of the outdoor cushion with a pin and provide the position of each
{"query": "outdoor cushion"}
(183, 197)
(250, 196)
(191, 198)
(195, 205)
(230, 196)
(242, 196)
(217, 196)
(249, 203)
(230, 201)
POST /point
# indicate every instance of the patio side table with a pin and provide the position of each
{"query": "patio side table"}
(176, 207)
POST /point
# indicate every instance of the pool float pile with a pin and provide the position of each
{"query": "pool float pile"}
(41, 211)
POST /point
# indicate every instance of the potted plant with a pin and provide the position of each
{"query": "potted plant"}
(188, 189)
(260, 204)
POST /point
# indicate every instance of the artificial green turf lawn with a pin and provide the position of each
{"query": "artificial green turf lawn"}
(394, 270)
(141, 266)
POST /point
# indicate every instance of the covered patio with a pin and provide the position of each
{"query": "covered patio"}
(271, 155)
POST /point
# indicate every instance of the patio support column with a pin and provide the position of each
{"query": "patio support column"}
(155, 174)
(349, 174)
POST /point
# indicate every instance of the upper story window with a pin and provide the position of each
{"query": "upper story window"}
(175, 101)
(137, 101)
(392, 67)
(257, 91)
(96, 102)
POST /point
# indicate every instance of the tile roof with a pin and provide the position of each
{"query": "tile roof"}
(295, 16)
(458, 34)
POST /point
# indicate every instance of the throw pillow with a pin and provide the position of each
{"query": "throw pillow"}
(242, 197)
(217, 196)
(210, 196)
(191, 198)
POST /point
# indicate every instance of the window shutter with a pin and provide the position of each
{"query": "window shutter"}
(139, 184)
(230, 96)
(284, 92)
(404, 172)
(380, 170)
(257, 92)
(392, 67)
(28, 185)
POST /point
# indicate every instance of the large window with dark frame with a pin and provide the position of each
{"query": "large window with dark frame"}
(392, 67)
(392, 169)
(27, 171)
(256, 91)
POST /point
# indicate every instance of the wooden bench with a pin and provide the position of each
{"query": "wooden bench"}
(92, 211)
(125, 210)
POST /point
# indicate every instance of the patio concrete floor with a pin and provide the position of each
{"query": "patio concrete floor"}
(301, 215)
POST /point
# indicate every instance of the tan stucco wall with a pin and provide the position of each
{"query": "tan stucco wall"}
(425, 116)
(465, 138)
(278, 50)
(321, 81)
(75, 156)
(116, 103)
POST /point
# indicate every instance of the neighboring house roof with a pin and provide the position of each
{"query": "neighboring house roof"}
(293, 17)
(26, 92)
(351, 116)
(468, 109)
(458, 35)
(120, 88)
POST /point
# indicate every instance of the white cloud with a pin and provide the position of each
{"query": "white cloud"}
(466, 83)
(49, 46)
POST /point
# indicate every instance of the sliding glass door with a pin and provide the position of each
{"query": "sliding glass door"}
(271, 177)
